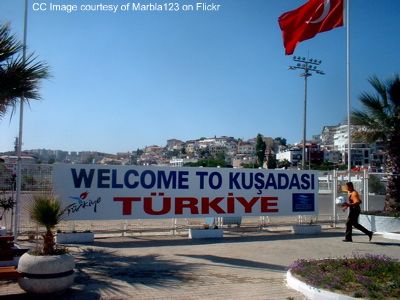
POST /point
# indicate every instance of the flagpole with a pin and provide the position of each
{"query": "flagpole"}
(348, 87)
(19, 145)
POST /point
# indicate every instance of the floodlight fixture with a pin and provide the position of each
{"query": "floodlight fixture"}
(307, 66)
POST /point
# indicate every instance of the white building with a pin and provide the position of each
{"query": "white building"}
(333, 156)
(176, 162)
(360, 152)
(179, 162)
(293, 155)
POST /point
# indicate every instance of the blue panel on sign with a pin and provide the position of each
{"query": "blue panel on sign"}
(303, 202)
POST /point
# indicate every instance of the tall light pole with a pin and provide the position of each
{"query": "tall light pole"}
(308, 65)
(19, 145)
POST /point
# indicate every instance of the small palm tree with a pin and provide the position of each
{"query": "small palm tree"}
(19, 77)
(380, 121)
(46, 211)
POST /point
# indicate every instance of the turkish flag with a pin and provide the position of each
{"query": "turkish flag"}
(308, 20)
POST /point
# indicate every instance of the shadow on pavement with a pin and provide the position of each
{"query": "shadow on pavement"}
(385, 243)
(100, 272)
(168, 241)
(237, 262)
(67, 295)
(146, 269)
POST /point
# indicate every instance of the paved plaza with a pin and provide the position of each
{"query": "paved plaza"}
(242, 265)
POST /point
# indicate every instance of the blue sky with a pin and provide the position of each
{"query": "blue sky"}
(126, 80)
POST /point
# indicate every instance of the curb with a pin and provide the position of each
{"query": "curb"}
(311, 292)
(391, 236)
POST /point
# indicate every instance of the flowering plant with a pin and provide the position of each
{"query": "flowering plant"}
(370, 276)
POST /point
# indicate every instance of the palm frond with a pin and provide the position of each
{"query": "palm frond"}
(370, 130)
(394, 93)
(381, 121)
(380, 88)
(373, 105)
(21, 79)
(9, 46)
(46, 211)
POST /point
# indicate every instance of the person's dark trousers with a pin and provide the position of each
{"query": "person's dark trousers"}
(352, 220)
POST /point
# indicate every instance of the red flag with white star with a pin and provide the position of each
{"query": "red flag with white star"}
(308, 20)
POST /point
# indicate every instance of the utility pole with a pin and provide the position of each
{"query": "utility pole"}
(19, 145)
(308, 65)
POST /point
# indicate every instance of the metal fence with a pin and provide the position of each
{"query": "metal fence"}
(37, 178)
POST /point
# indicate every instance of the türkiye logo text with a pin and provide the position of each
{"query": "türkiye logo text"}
(82, 201)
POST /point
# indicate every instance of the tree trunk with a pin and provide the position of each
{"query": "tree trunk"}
(48, 243)
(392, 200)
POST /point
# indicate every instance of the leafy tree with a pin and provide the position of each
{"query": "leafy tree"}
(375, 185)
(380, 121)
(284, 164)
(272, 163)
(139, 152)
(172, 153)
(204, 153)
(19, 77)
(260, 149)
(250, 166)
(281, 141)
(217, 161)
(220, 156)
(208, 162)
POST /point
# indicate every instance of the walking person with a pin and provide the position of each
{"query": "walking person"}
(354, 206)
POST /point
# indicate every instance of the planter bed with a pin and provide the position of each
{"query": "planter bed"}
(312, 292)
(380, 223)
(46, 274)
(306, 229)
(3, 231)
(74, 237)
(205, 233)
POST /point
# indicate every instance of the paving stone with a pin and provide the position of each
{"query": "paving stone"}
(251, 265)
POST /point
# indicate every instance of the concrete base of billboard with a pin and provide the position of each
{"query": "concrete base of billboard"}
(3, 231)
(306, 229)
(74, 237)
(205, 233)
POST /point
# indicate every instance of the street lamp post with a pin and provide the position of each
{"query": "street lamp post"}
(19, 145)
(308, 65)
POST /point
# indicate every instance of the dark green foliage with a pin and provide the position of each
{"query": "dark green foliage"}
(281, 141)
(272, 163)
(260, 149)
(375, 185)
(19, 76)
(380, 121)
(46, 211)
(6, 203)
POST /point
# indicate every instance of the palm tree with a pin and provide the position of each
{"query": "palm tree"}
(19, 77)
(260, 150)
(380, 121)
(46, 211)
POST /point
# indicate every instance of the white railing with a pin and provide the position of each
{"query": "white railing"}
(37, 178)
